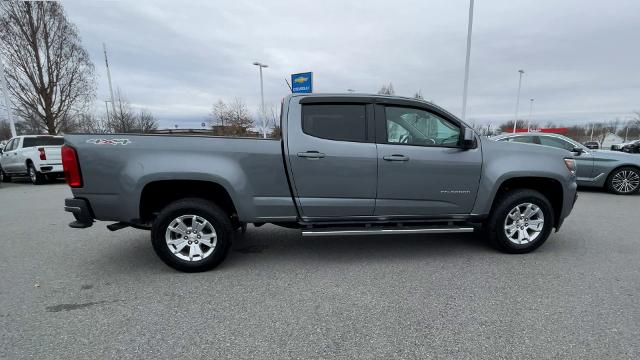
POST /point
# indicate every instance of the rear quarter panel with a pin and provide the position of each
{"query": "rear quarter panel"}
(251, 170)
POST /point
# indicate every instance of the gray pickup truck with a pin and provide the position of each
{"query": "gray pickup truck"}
(346, 165)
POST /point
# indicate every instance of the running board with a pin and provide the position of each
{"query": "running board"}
(387, 231)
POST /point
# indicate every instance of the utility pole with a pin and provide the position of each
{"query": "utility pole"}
(466, 64)
(106, 62)
(530, 112)
(264, 115)
(106, 105)
(515, 121)
(626, 134)
(7, 104)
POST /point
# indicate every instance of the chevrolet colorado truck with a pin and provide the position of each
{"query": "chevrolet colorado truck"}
(346, 165)
(37, 156)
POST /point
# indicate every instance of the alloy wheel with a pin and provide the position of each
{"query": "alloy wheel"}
(191, 238)
(524, 223)
(625, 181)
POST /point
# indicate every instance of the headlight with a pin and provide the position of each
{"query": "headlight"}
(571, 165)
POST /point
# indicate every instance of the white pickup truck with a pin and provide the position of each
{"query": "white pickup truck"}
(36, 156)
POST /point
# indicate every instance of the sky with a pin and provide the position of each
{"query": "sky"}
(176, 58)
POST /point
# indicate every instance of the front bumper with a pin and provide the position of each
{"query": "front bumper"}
(81, 210)
(570, 199)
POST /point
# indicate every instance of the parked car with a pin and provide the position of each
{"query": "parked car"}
(346, 165)
(618, 147)
(36, 156)
(616, 171)
(633, 147)
(594, 145)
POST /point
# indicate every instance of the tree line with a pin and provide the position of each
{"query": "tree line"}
(50, 76)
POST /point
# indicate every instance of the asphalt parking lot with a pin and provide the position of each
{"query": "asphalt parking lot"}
(72, 294)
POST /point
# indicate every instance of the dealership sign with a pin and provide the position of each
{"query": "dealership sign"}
(302, 83)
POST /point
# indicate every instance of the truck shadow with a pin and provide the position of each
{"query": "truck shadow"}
(271, 247)
(275, 245)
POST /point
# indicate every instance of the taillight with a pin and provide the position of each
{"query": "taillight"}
(43, 156)
(71, 167)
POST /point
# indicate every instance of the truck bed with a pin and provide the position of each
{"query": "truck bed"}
(116, 168)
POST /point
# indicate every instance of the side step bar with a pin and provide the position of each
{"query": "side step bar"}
(386, 231)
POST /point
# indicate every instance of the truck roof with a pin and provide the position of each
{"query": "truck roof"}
(376, 96)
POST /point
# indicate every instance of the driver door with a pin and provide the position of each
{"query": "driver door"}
(421, 169)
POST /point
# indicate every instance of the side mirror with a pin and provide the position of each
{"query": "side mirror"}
(577, 150)
(468, 140)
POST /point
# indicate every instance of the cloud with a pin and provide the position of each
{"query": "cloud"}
(177, 58)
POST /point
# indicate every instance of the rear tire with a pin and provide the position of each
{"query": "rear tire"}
(34, 175)
(616, 181)
(524, 214)
(174, 227)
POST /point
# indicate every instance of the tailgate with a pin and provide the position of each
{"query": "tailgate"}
(53, 153)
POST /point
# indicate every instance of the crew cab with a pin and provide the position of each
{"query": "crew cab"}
(36, 156)
(346, 165)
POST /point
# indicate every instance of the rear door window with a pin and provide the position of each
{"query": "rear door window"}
(343, 122)
(43, 141)
(555, 142)
(521, 139)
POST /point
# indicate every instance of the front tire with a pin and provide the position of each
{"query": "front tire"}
(624, 181)
(520, 222)
(192, 235)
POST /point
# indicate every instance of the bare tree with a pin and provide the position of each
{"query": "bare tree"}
(239, 117)
(231, 119)
(123, 120)
(387, 90)
(273, 122)
(49, 73)
(508, 126)
(5, 130)
(219, 114)
(89, 123)
(146, 122)
(418, 95)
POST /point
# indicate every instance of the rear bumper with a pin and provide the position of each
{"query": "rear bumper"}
(51, 168)
(81, 210)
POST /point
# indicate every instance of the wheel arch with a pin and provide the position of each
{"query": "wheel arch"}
(155, 195)
(549, 187)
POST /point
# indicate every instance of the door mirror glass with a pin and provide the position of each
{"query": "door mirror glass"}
(468, 140)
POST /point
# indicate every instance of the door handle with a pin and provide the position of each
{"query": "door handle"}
(395, 157)
(311, 154)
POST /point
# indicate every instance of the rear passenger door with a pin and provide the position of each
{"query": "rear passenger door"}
(332, 156)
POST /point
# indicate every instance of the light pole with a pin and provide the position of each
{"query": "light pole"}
(515, 121)
(530, 112)
(7, 104)
(264, 120)
(466, 64)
